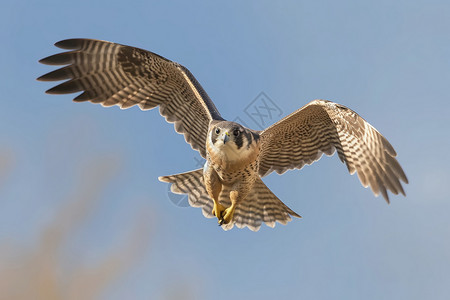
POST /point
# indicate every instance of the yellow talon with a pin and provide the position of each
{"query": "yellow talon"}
(228, 215)
(218, 210)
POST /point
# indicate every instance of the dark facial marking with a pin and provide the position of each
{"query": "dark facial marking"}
(249, 136)
(255, 136)
(238, 140)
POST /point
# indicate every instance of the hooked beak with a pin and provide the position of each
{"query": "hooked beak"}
(226, 137)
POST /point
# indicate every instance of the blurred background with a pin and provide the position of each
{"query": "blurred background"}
(83, 216)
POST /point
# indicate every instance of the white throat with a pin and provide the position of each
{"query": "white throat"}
(228, 151)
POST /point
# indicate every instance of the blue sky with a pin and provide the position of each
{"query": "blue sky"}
(387, 60)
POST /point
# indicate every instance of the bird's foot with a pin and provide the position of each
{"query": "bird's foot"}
(227, 215)
(218, 210)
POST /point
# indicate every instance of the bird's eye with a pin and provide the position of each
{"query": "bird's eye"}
(217, 130)
(236, 132)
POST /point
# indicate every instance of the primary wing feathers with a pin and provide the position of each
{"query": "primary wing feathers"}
(114, 74)
(321, 127)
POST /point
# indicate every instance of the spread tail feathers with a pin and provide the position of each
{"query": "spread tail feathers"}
(261, 205)
(191, 183)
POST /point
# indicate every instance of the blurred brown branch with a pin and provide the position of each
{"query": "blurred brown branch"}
(37, 273)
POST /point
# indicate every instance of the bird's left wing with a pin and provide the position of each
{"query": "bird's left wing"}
(114, 74)
(323, 126)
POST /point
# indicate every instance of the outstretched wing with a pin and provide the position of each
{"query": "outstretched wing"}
(114, 74)
(323, 126)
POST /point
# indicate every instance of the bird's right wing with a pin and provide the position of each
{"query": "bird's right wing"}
(323, 126)
(114, 74)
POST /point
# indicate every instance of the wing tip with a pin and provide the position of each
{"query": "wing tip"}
(296, 215)
(70, 44)
(42, 77)
(43, 61)
(404, 178)
(54, 91)
(51, 60)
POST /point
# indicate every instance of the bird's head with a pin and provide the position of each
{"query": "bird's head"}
(232, 139)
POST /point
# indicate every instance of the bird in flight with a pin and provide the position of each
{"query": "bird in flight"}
(229, 186)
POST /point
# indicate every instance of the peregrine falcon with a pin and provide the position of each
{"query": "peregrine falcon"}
(229, 186)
